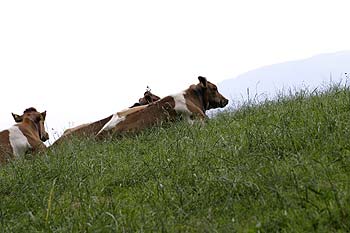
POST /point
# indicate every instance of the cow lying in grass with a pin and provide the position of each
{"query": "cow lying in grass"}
(91, 129)
(190, 104)
(27, 135)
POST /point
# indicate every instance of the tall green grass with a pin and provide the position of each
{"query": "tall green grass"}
(277, 166)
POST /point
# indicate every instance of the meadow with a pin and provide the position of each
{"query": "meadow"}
(276, 166)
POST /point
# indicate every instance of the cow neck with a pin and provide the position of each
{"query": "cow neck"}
(199, 93)
(32, 125)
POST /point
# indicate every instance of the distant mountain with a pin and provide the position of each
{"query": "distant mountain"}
(268, 81)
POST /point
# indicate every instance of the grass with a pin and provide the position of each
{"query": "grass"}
(277, 166)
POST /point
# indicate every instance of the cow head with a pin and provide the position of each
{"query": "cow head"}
(211, 96)
(148, 97)
(37, 118)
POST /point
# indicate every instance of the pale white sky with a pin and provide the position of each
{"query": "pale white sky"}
(84, 60)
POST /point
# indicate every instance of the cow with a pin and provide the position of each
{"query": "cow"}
(27, 135)
(148, 97)
(86, 130)
(91, 129)
(189, 104)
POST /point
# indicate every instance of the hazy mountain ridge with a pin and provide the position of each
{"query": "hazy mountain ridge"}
(269, 80)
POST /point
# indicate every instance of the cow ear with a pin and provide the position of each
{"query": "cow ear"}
(17, 118)
(203, 81)
(43, 115)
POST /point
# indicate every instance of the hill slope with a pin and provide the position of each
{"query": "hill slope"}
(279, 166)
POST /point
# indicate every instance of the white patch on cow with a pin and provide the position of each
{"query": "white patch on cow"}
(18, 141)
(181, 107)
(112, 123)
(180, 103)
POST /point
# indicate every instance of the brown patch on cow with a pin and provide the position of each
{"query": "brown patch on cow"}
(84, 130)
(72, 130)
(6, 152)
(91, 129)
(130, 110)
(152, 114)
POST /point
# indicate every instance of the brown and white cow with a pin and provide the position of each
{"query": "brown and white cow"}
(190, 104)
(91, 129)
(85, 130)
(27, 135)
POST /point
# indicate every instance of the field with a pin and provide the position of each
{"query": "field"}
(276, 166)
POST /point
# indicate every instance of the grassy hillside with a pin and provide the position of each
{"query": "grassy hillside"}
(278, 166)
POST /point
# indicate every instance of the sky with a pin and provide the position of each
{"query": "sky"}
(84, 60)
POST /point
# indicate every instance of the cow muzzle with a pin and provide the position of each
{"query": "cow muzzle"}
(44, 137)
(223, 103)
